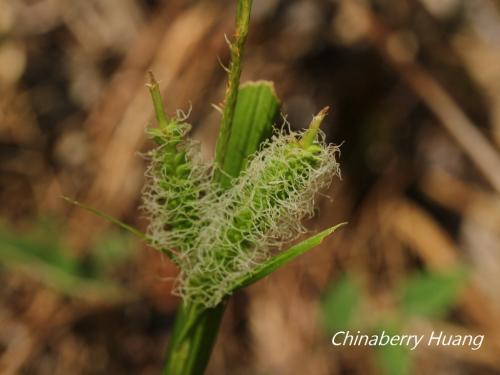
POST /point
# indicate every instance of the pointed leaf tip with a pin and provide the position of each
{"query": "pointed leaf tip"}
(285, 257)
(313, 129)
(111, 219)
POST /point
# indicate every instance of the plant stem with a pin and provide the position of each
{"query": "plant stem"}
(196, 327)
(236, 48)
(159, 109)
(193, 337)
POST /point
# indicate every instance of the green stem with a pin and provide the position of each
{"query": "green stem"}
(154, 90)
(196, 327)
(236, 48)
(193, 337)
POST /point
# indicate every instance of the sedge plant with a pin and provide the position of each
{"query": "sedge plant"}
(224, 222)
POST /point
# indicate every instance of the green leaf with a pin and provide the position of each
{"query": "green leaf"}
(255, 112)
(39, 253)
(111, 219)
(341, 305)
(110, 249)
(63, 281)
(431, 294)
(394, 360)
(285, 257)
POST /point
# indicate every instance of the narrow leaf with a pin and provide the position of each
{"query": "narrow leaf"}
(111, 219)
(285, 257)
(65, 282)
(40, 254)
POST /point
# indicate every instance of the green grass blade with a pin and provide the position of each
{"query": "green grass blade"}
(60, 279)
(40, 254)
(111, 219)
(285, 257)
(254, 115)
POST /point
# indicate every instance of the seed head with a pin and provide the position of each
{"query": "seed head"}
(261, 211)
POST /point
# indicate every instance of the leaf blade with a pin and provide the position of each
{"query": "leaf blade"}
(111, 219)
(255, 112)
(285, 257)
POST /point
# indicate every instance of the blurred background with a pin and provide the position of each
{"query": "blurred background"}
(414, 87)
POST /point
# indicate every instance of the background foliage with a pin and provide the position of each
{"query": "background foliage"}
(413, 87)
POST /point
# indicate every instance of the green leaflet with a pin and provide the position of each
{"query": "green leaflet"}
(285, 257)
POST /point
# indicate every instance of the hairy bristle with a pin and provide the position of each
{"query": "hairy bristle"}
(217, 236)
(174, 200)
(262, 210)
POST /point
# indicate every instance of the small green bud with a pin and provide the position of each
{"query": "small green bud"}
(173, 203)
(234, 236)
(314, 149)
(180, 158)
(182, 171)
